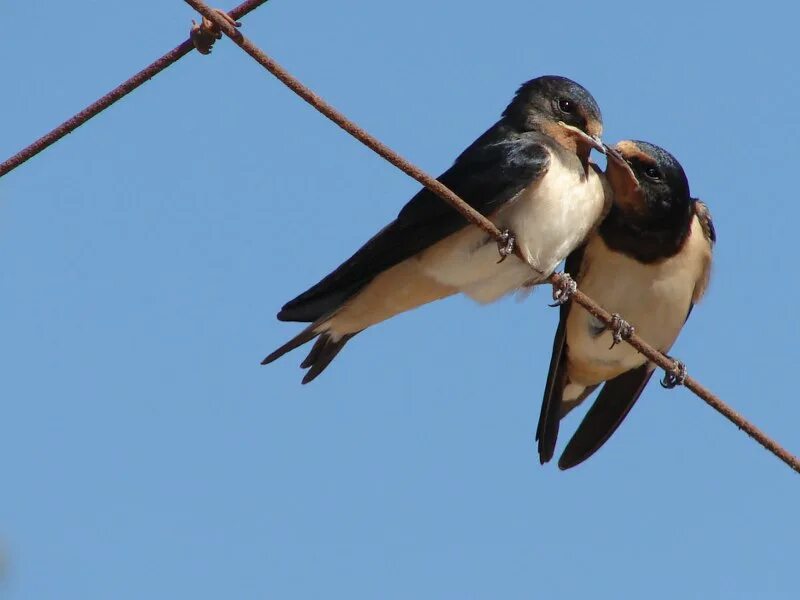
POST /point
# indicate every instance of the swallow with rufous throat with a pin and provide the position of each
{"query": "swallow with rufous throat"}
(649, 262)
(529, 173)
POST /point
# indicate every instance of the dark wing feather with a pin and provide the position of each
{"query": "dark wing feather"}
(706, 222)
(494, 169)
(606, 414)
(550, 414)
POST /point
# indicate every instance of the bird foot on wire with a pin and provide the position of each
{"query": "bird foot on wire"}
(675, 376)
(204, 34)
(620, 330)
(563, 290)
(505, 245)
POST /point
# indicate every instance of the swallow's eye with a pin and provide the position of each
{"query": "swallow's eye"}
(653, 173)
(566, 106)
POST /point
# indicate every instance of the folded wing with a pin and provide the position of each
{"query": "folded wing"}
(492, 171)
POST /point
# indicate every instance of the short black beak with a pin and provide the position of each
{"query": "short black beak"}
(614, 154)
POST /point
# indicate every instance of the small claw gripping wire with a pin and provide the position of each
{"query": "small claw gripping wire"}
(675, 376)
(506, 245)
(563, 290)
(620, 330)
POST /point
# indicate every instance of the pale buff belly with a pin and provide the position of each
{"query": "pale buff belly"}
(550, 219)
(549, 224)
(655, 299)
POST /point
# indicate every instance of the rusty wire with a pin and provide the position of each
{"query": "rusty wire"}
(474, 217)
(117, 93)
(558, 280)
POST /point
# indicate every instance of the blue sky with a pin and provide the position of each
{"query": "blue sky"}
(145, 453)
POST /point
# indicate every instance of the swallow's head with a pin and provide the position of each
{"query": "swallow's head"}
(648, 182)
(651, 196)
(560, 108)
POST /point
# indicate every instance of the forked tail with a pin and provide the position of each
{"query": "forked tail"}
(322, 352)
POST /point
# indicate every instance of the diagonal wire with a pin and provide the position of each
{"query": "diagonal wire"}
(111, 97)
(557, 279)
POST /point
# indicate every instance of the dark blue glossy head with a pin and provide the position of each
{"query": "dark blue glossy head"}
(653, 207)
(550, 99)
(649, 183)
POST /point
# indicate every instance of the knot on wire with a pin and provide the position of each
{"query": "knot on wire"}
(563, 290)
(204, 34)
(675, 376)
(620, 330)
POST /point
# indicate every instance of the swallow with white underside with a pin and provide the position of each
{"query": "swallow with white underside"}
(649, 261)
(529, 174)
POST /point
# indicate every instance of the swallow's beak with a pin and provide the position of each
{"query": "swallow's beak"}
(589, 140)
(617, 162)
(627, 192)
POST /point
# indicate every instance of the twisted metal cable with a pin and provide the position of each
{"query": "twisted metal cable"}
(559, 280)
(117, 93)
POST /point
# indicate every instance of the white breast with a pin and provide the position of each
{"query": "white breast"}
(550, 219)
(654, 298)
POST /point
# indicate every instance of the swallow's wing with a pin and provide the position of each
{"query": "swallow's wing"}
(609, 410)
(710, 234)
(492, 171)
(550, 414)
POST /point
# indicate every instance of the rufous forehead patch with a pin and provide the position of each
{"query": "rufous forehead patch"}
(627, 193)
(630, 151)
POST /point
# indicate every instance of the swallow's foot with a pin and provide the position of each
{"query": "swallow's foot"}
(675, 376)
(204, 35)
(563, 290)
(505, 245)
(620, 330)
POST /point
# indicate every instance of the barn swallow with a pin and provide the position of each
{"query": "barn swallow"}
(529, 173)
(649, 261)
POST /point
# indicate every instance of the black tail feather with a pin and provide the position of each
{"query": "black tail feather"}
(319, 344)
(322, 352)
(321, 355)
(550, 414)
(606, 414)
(301, 338)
